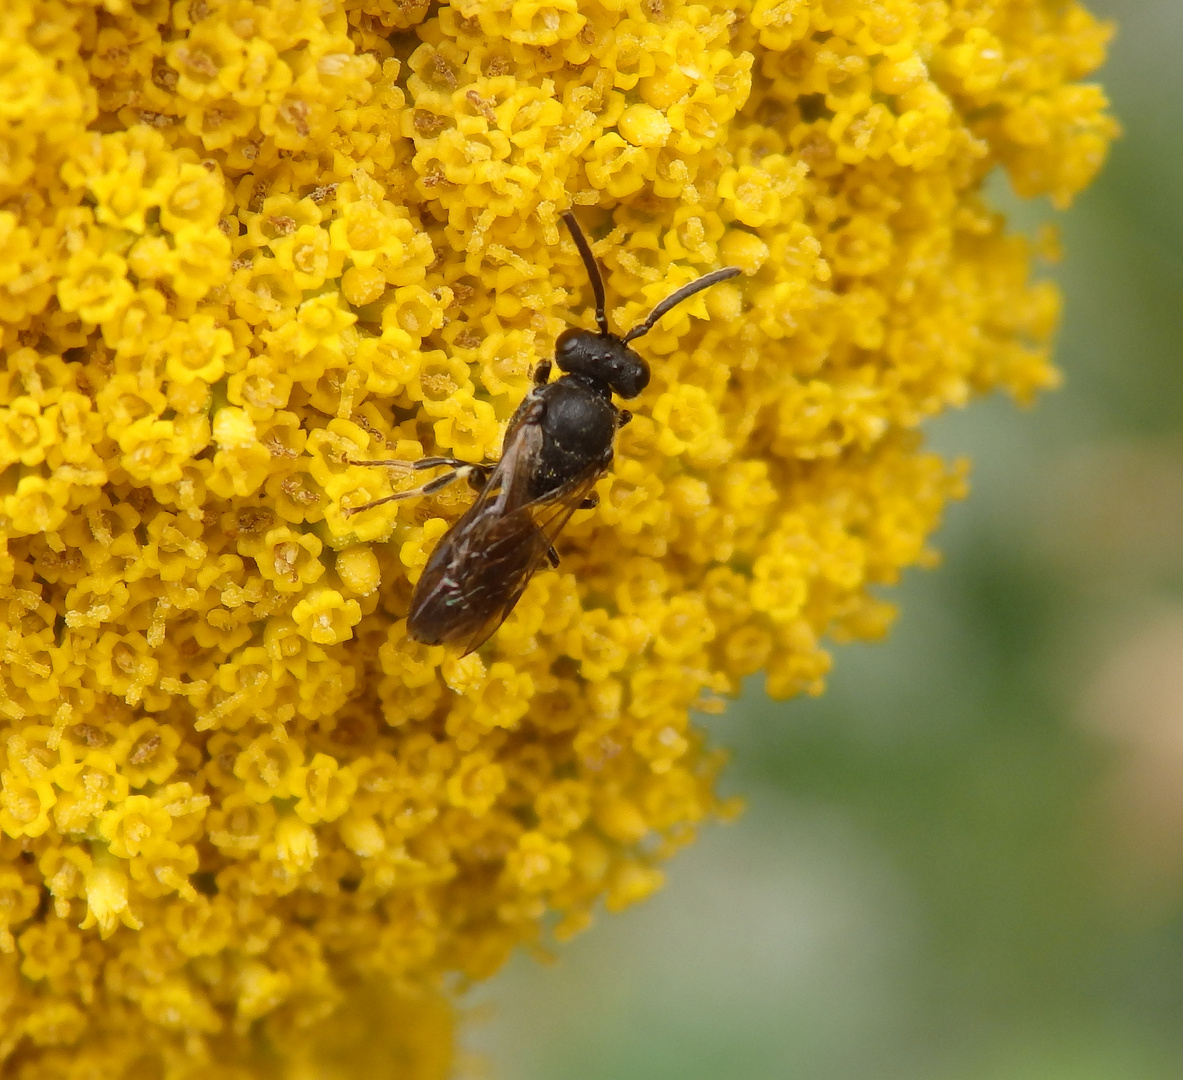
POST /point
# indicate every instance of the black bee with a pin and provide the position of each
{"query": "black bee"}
(558, 444)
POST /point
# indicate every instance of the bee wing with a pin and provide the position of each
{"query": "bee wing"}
(517, 543)
(509, 483)
(551, 514)
(480, 568)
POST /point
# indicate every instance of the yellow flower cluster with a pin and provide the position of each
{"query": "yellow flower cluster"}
(247, 243)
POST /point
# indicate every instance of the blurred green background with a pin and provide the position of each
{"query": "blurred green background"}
(965, 861)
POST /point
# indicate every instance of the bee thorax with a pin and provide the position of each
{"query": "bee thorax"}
(578, 428)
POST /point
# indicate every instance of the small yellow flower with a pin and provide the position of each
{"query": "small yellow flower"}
(563, 807)
(326, 617)
(358, 570)
(241, 826)
(538, 864)
(49, 950)
(290, 560)
(270, 768)
(295, 845)
(137, 826)
(95, 286)
(147, 752)
(107, 906)
(25, 804)
(24, 433)
(324, 789)
(18, 901)
(476, 784)
(87, 787)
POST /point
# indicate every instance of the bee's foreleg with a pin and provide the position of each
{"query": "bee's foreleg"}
(542, 373)
(451, 462)
(422, 463)
(463, 471)
(623, 416)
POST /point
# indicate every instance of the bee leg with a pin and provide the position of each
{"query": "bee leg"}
(451, 462)
(623, 417)
(464, 472)
(422, 463)
(552, 557)
(591, 502)
(542, 373)
(478, 476)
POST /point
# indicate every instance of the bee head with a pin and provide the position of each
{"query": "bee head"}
(603, 357)
(606, 357)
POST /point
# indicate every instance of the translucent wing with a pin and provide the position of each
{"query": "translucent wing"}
(541, 521)
(482, 565)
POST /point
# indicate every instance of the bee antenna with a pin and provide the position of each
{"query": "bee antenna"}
(593, 268)
(674, 299)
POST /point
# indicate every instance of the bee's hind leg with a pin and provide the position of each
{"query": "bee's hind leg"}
(552, 557)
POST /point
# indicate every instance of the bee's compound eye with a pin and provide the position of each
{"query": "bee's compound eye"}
(632, 377)
(575, 350)
(642, 375)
